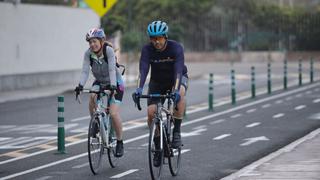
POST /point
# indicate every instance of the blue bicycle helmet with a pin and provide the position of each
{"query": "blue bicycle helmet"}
(95, 33)
(158, 28)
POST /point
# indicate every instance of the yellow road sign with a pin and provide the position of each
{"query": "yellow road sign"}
(101, 7)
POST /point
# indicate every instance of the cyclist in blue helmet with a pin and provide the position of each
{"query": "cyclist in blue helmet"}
(100, 58)
(168, 72)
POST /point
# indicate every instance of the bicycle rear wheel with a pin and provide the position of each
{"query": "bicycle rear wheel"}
(155, 172)
(113, 160)
(95, 145)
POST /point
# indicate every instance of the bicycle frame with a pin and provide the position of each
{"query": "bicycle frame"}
(104, 117)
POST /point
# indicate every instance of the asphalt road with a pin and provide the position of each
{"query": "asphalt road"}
(215, 143)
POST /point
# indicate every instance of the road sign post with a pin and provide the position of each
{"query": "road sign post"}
(285, 68)
(233, 88)
(311, 70)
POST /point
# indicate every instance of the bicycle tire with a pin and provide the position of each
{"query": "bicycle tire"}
(95, 145)
(113, 160)
(155, 172)
(174, 157)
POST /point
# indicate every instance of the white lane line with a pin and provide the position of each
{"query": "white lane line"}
(124, 173)
(235, 116)
(300, 107)
(253, 125)
(200, 127)
(80, 119)
(316, 101)
(277, 116)
(251, 110)
(145, 144)
(221, 136)
(266, 105)
(146, 135)
(80, 166)
(279, 102)
(44, 178)
(217, 121)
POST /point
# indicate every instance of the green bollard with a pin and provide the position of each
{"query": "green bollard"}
(300, 72)
(210, 92)
(233, 88)
(285, 79)
(269, 78)
(311, 70)
(61, 136)
(253, 84)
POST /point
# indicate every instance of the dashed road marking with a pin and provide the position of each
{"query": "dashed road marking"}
(80, 166)
(217, 121)
(124, 173)
(221, 136)
(251, 110)
(235, 116)
(253, 125)
(316, 101)
(300, 107)
(277, 116)
(266, 105)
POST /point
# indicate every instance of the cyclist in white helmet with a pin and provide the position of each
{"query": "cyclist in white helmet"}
(106, 76)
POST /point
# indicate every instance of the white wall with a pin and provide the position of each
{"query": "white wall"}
(38, 38)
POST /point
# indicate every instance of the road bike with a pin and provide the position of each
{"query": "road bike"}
(162, 126)
(101, 134)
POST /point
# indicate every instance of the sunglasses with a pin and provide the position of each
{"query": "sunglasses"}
(157, 38)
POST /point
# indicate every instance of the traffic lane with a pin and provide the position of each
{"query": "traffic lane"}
(233, 116)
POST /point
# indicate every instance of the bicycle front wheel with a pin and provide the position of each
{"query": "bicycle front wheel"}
(155, 152)
(95, 145)
(174, 161)
(113, 160)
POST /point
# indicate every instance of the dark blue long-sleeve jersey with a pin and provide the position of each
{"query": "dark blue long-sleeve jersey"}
(167, 66)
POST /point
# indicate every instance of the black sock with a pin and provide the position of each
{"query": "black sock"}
(119, 141)
(177, 124)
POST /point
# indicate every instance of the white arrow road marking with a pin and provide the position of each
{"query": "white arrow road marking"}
(251, 110)
(316, 101)
(266, 105)
(253, 125)
(124, 173)
(221, 136)
(299, 107)
(254, 140)
(196, 132)
(278, 116)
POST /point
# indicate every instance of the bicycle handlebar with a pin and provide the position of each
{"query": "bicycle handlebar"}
(106, 92)
(136, 98)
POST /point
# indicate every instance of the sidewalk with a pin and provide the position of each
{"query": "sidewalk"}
(299, 160)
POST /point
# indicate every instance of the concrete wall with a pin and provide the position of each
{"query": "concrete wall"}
(38, 44)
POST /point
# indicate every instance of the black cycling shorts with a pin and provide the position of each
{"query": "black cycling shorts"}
(161, 88)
